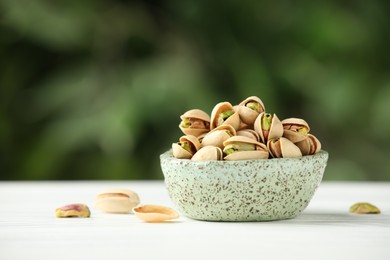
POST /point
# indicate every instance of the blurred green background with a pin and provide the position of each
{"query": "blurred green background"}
(94, 89)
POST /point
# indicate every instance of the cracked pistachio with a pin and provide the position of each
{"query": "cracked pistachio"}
(364, 208)
(76, 210)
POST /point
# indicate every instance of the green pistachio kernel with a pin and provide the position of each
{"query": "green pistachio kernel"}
(238, 147)
(185, 123)
(364, 208)
(266, 122)
(254, 106)
(186, 146)
(226, 114)
(229, 133)
(302, 130)
(229, 149)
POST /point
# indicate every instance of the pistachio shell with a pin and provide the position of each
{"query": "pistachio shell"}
(275, 130)
(196, 113)
(117, 200)
(249, 133)
(310, 145)
(291, 125)
(181, 153)
(155, 213)
(218, 135)
(283, 148)
(195, 130)
(233, 120)
(208, 153)
(261, 151)
(247, 115)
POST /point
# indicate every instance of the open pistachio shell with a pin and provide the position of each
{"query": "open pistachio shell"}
(283, 148)
(117, 200)
(295, 129)
(208, 153)
(155, 213)
(249, 133)
(250, 108)
(180, 152)
(195, 122)
(259, 150)
(274, 128)
(218, 135)
(219, 110)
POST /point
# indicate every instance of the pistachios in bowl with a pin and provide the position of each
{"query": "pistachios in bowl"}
(242, 132)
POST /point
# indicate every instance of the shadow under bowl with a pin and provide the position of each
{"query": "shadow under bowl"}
(247, 190)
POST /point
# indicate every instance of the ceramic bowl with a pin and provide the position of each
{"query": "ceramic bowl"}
(248, 190)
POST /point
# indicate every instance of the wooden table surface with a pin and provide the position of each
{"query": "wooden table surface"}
(325, 230)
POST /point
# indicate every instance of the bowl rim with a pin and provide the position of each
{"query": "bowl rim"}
(168, 156)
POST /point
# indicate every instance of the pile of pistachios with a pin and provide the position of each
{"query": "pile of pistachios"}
(242, 132)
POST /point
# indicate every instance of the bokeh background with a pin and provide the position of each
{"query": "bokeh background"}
(94, 89)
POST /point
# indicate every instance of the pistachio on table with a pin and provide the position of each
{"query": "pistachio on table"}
(117, 201)
(364, 208)
(73, 210)
(155, 213)
(270, 137)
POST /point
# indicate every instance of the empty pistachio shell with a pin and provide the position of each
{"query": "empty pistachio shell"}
(117, 200)
(244, 148)
(223, 113)
(295, 129)
(364, 208)
(218, 135)
(268, 127)
(155, 213)
(195, 122)
(208, 153)
(283, 148)
(186, 147)
(73, 210)
(250, 108)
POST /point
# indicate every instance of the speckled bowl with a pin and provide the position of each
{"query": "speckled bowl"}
(250, 190)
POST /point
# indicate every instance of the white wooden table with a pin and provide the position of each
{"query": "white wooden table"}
(325, 230)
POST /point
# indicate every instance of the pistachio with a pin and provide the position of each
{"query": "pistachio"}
(73, 210)
(186, 147)
(266, 122)
(155, 213)
(254, 106)
(224, 114)
(195, 122)
(117, 200)
(249, 109)
(268, 126)
(244, 148)
(364, 208)
(208, 153)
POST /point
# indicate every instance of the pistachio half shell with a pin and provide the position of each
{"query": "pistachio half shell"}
(250, 108)
(194, 122)
(295, 129)
(283, 148)
(223, 113)
(208, 153)
(186, 147)
(268, 127)
(218, 135)
(117, 200)
(244, 148)
(155, 213)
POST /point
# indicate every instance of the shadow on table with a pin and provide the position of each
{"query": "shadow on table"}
(341, 219)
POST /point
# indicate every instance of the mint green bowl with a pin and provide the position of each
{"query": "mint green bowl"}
(248, 190)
